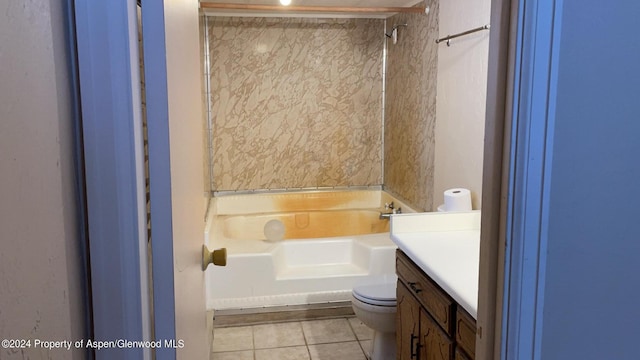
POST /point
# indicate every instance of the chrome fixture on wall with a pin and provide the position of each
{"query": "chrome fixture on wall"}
(389, 206)
(393, 34)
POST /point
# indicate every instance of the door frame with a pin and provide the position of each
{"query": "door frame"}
(519, 127)
(110, 87)
(109, 77)
(530, 152)
(164, 305)
(174, 112)
(495, 178)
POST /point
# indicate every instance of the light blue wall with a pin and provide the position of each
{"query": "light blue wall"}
(592, 285)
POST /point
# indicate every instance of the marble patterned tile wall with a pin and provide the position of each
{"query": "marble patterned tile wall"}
(410, 109)
(296, 102)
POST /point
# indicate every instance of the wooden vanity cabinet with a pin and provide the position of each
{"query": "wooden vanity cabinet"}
(407, 324)
(429, 323)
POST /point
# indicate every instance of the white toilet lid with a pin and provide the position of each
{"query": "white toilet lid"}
(381, 293)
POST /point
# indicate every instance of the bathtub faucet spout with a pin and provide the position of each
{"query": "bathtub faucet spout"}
(387, 216)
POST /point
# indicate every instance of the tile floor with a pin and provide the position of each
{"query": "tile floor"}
(331, 339)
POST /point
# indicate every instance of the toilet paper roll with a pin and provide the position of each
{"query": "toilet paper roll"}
(457, 199)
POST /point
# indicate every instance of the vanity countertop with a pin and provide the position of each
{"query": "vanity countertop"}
(446, 246)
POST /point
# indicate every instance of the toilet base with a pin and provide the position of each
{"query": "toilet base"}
(383, 346)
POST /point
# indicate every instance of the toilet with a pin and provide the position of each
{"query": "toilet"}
(374, 303)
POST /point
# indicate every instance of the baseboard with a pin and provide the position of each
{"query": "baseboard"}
(263, 315)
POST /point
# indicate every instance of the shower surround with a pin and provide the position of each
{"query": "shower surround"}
(410, 111)
(296, 102)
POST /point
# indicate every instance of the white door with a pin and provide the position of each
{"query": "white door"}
(174, 113)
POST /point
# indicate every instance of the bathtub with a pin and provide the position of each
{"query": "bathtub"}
(332, 239)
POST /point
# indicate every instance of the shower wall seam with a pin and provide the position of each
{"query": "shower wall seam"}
(207, 84)
(384, 102)
(207, 81)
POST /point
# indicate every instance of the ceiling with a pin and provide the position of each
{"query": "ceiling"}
(341, 3)
(349, 3)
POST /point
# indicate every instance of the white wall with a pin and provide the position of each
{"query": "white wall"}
(460, 102)
(40, 283)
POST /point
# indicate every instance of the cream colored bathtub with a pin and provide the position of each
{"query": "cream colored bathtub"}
(332, 239)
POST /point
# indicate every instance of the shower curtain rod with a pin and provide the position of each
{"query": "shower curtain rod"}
(328, 9)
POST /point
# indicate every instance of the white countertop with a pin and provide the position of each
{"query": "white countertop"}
(446, 246)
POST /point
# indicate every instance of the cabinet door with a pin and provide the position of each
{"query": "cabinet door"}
(407, 324)
(460, 355)
(466, 332)
(436, 345)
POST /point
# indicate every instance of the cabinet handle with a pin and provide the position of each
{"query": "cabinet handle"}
(413, 287)
(414, 353)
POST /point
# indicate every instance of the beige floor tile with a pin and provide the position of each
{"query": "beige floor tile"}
(233, 339)
(233, 355)
(283, 353)
(327, 331)
(278, 335)
(337, 351)
(363, 332)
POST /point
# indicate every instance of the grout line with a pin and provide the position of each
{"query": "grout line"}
(352, 330)
(366, 356)
(336, 342)
(304, 336)
(364, 352)
(281, 347)
(253, 341)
